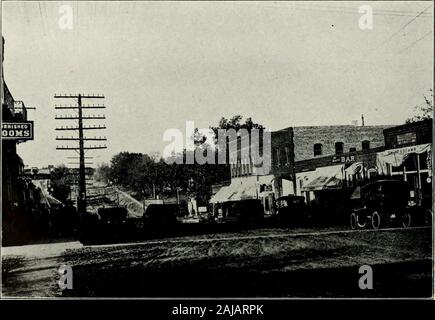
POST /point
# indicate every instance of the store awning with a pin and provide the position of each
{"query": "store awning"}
(396, 157)
(241, 189)
(324, 178)
(46, 198)
(222, 195)
(245, 189)
(52, 201)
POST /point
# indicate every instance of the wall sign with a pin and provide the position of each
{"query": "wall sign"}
(343, 159)
(17, 130)
(406, 138)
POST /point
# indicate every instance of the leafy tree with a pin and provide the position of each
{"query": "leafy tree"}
(148, 176)
(424, 111)
(103, 173)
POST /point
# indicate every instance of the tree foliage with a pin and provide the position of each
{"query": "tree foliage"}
(423, 111)
(148, 176)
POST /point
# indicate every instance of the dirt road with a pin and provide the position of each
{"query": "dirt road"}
(266, 262)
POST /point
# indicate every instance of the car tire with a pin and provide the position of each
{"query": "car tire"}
(361, 225)
(428, 217)
(376, 220)
(353, 221)
(406, 220)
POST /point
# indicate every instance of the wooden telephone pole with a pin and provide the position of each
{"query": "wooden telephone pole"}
(81, 148)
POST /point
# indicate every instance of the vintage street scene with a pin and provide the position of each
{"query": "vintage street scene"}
(217, 150)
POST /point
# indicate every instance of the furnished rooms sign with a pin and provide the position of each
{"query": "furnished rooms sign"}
(17, 130)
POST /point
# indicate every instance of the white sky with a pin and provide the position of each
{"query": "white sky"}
(160, 64)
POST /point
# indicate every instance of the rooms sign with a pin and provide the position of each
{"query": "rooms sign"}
(17, 130)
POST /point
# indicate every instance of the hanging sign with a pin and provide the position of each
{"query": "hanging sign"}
(17, 130)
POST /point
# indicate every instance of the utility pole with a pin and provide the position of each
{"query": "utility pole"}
(81, 148)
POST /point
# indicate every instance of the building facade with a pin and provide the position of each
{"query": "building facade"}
(294, 151)
(408, 156)
(15, 189)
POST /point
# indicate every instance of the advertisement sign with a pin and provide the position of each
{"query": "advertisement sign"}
(17, 130)
(343, 159)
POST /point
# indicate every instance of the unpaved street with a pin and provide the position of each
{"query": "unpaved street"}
(265, 262)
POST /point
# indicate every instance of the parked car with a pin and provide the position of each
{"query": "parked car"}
(291, 210)
(161, 215)
(113, 215)
(243, 212)
(384, 203)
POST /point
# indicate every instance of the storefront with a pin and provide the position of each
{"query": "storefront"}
(262, 188)
(414, 165)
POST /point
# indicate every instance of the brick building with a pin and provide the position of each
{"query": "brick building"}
(320, 141)
(300, 149)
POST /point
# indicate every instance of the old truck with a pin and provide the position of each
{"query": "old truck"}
(386, 203)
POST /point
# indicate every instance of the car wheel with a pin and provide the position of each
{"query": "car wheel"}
(376, 220)
(353, 221)
(361, 225)
(406, 220)
(428, 216)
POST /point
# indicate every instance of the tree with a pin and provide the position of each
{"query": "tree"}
(236, 124)
(103, 173)
(148, 176)
(125, 168)
(424, 111)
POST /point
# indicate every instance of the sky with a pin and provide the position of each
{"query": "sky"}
(161, 64)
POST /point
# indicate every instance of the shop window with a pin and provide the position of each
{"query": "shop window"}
(317, 149)
(365, 145)
(339, 147)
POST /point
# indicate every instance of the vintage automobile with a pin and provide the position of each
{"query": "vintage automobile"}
(161, 215)
(243, 212)
(112, 215)
(384, 203)
(291, 210)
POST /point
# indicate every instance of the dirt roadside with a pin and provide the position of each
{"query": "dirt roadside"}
(303, 264)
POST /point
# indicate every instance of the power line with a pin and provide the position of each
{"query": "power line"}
(81, 201)
(419, 39)
(406, 24)
(337, 9)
